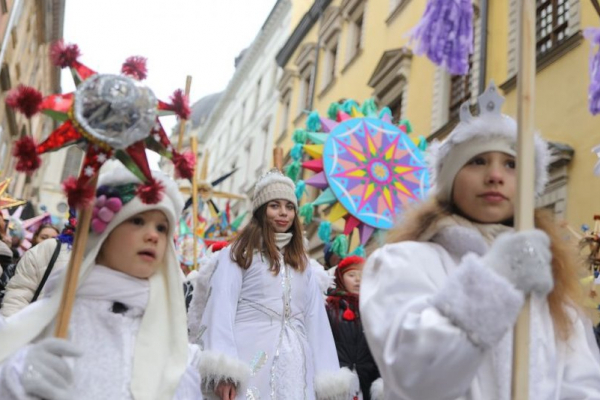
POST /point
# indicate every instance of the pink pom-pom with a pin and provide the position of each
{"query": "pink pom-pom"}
(62, 55)
(100, 201)
(25, 99)
(25, 151)
(180, 104)
(135, 67)
(114, 204)
(98, 226)
(105, 214)
(78, 195)
(151, 192)
(184, 164)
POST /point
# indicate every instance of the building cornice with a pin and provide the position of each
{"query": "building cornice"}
(304, 26)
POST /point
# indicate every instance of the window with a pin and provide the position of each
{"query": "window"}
(552, 21)
(354, 12)
(396, 108)
(285, 112)
(257, 95)
(3, 6)
(243, 114)
(356, 39)
(330, 61)
(460, 91)
(330, 29)
(5, 77)
(72, 163)
(304, 99)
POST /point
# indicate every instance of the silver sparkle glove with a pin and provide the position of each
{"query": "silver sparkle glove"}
(47, 375)
(525, 259)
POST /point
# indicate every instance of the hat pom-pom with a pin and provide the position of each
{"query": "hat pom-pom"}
(180, 104)
(135, 67)
(349, 315)
(62, 55)
(26, 153)
(151, 192)
(184, 164)
(79, 195)
(25, 99)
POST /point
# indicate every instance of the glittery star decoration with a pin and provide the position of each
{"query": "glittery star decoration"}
(74, 131)
(7, 201)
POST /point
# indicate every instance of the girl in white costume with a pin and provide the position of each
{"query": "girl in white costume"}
(127, 336)
(440, 300)
(264, 330)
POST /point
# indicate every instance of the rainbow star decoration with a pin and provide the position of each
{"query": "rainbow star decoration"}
(367, 169)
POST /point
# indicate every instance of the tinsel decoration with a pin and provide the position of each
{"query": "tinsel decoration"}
(445, 34)
(332, 112)
(324, 231)
(79, 194)
(340, 245)
(28, 160)
(385, 112)
(359, 251)
(184, 164)
(307, 212)
(25, 99)
(593, 35)
(297, 151)
(313, 122)
(151, 192)
(180, 104)
(349, 105)
(63, 55)
(369, 108)
(300, 136)
(300, 189)
(135, 67)
(293, 170)
(406, 123)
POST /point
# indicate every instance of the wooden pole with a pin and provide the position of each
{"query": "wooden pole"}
(278, 158)
(195, 202)
(77, 252)
(525, 205)
(188, 86)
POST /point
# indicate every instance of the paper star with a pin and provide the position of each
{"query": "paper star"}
(7, 201)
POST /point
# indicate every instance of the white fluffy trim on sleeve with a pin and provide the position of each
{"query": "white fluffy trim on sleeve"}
(480, 302)
(340, 385)
(377, 389)
(325, 280)
(216, 367)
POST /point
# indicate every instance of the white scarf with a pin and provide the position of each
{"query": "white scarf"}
(104, 283)
(282, 239)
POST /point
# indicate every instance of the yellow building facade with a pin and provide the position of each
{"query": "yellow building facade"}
(359, 49)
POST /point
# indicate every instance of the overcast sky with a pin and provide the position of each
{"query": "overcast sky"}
(200, 38)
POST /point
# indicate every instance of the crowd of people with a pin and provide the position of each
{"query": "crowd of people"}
(429, 315)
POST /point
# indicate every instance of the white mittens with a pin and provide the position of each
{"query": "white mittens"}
(523, 258)
(47, 374)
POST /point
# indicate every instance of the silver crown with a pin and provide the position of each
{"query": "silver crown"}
(490, 102)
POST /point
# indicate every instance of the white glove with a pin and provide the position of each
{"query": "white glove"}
(525, 259)
(47, 375)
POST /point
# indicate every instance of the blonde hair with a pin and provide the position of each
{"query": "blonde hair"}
(566, 265)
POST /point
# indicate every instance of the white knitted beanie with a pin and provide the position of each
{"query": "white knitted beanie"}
(273, 186)
(489, 131)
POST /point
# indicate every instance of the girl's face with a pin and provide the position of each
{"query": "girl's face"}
(484, 189)
(352, 280)
(280, 215)
(137, 246)
(45, 233)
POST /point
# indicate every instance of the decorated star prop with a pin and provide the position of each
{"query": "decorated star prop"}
(109, 116)
(367, 169)
(7, 201)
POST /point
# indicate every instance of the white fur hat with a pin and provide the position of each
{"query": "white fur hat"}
(489, 131)
(273, 186)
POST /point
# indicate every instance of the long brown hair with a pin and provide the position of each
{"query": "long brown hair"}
(259, 236)
(566, 266)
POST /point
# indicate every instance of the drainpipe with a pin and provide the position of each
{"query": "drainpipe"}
(14, 11)
(313, 77)
(483, 8)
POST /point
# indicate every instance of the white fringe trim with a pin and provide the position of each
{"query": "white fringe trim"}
(201, 283)
(325, 280)
(339, 385)
(216, 367)
(377, 389)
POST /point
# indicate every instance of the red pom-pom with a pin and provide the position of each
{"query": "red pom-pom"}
(63, 55)
(25, 99)
(25, 151)
(349, 315)
(79, 195)
(218, 246)
(151, 192)
(135, 67)
(350, 260)
(180, 104)
(184, 164)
